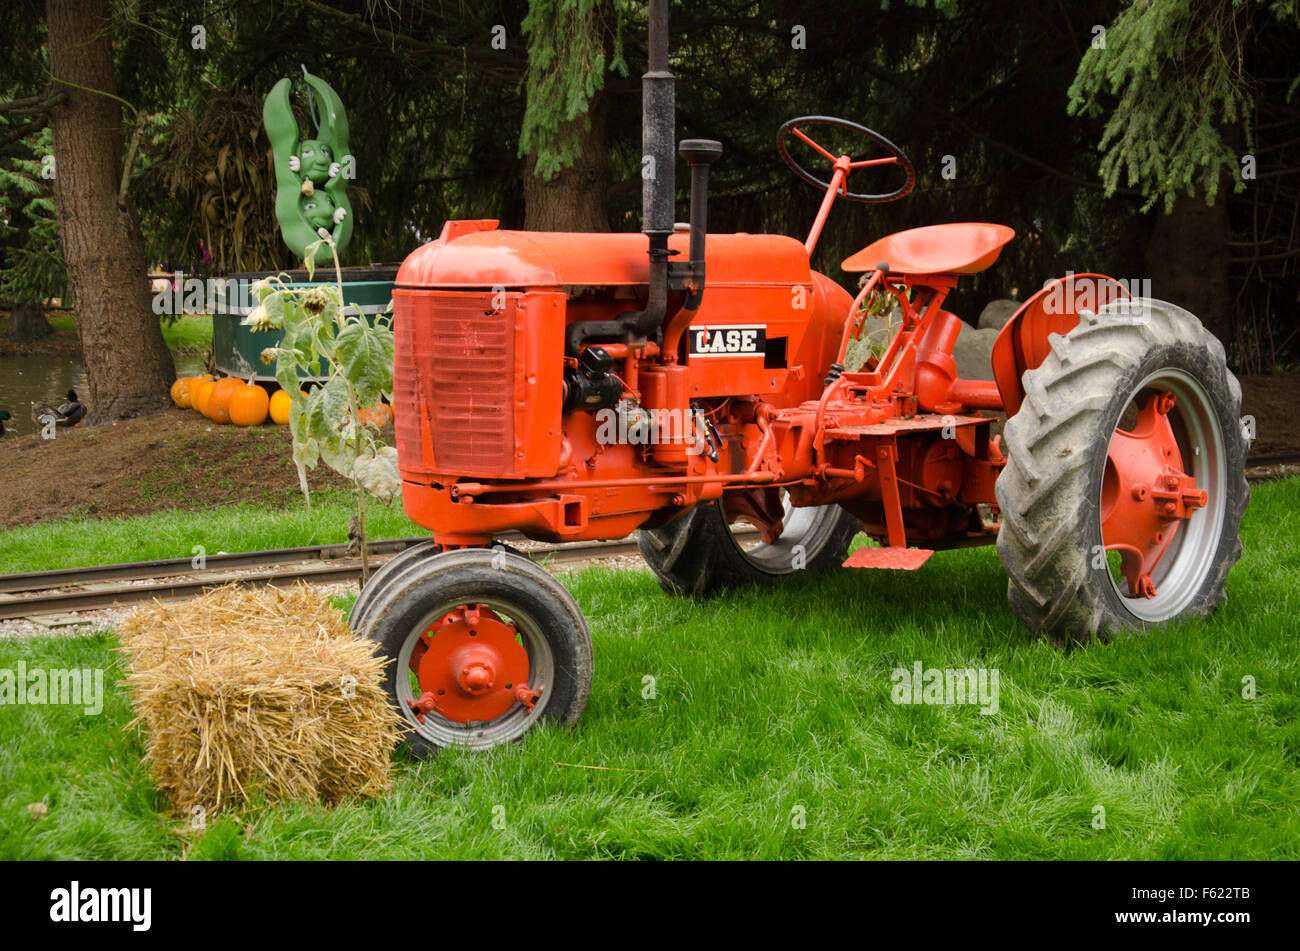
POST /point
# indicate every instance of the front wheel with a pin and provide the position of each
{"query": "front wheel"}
(484, 645)
(1124, 486)
(387, 571)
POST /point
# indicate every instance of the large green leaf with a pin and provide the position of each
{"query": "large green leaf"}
(365, 355)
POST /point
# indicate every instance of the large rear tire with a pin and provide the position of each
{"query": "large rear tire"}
(697, 554)
(1095, 435)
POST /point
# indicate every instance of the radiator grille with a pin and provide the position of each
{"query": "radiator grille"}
(454, 374)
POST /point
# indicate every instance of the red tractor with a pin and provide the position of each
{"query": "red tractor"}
(574, 386)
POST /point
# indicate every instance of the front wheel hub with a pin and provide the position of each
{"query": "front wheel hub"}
(472, 666)
(1145, 494)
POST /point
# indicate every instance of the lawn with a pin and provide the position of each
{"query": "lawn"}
(173, 533)
(189, 333)
(770, 733)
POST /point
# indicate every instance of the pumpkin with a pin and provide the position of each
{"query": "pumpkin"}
(199, 394)
(381, 414)
(218, 406)
(279, 406)
(248, 407)
(183, 389)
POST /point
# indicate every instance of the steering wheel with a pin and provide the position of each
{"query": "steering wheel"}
(896, 157)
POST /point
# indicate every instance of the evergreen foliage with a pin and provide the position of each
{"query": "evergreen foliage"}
(1175, 69)
(567, 63)
(33, 268)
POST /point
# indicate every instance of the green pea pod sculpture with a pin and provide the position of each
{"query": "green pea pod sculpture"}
(311, 175)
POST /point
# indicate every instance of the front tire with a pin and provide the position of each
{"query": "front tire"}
(1127, 400)
(387, 571)
(465, 631)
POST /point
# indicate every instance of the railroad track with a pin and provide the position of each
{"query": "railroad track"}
(1271, 460)
(72, 590)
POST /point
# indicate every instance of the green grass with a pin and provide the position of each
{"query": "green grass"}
(72, 542)
(772, 703)
(190, 333)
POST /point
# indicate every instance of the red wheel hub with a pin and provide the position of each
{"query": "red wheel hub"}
(1145, 494)
(471, 667)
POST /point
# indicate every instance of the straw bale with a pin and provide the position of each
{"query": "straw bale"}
(258, 693)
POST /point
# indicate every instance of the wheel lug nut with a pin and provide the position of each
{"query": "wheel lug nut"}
(1139, 492)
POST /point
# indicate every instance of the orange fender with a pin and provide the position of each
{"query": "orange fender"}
(1023, 343)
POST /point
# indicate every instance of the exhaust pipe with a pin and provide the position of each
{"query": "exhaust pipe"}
(658, 193)
(658, 122)
(658, 199)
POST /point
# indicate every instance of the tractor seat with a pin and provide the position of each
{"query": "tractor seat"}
(965, 248)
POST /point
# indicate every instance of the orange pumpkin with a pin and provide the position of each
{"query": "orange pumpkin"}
(279, 405)
(199, 394)
(381, 414)
(183, 389)
(249, 406)
(218, 407)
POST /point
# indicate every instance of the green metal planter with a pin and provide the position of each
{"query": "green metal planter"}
(237, 350)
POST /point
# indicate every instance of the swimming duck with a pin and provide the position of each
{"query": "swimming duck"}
(65, 414)
(4, 415)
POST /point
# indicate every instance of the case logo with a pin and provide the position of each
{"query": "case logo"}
(728, 340)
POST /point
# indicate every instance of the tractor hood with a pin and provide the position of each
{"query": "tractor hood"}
(474, 254)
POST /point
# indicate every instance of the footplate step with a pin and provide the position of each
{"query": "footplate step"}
(897, 559)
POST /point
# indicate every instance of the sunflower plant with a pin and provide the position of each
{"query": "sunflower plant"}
(324, 336)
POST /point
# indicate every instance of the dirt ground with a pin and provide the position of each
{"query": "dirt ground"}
(179, 460)
(172, 460)
(1274, 401)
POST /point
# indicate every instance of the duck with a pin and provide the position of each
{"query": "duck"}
(4, 415)
(65, 414)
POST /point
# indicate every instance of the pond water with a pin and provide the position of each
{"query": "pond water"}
(46, 378)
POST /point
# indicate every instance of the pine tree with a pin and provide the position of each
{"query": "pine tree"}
(572, 44)
(1184, 100)
(33, 259)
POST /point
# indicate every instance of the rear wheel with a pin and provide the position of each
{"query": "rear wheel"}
(1124, 487)
(484, 646)
(701, 552)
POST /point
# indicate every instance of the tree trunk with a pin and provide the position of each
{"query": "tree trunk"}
(574, 200)
(27, 321)
(1187, 260)
(128, 366)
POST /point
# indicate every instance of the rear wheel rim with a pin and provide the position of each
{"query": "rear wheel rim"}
(441, 731)
(1186, 559)
(801, 527)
